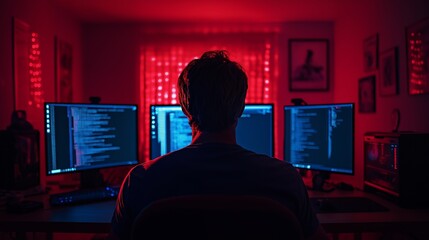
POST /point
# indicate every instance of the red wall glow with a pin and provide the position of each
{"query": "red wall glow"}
(161, 65)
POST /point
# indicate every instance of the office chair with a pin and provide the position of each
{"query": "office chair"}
(216, 217)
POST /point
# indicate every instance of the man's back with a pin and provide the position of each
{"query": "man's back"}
(215, 168)
(212, 91)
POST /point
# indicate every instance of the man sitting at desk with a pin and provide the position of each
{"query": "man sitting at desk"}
(212, 92)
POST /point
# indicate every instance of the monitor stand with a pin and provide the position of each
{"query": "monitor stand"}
(91, 179)
(319, 180)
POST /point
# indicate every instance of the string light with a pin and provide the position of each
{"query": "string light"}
(417, 71)
(160, 63)
(35, 72)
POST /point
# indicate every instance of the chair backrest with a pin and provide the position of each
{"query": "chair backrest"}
(216, 217)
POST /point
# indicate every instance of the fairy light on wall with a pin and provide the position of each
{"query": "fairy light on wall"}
(267, 72)
(35, 71)
(417, 64)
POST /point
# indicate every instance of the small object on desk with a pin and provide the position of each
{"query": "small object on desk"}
(344, 186)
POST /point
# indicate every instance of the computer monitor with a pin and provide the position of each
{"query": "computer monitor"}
(81, 137)
(320, 137)
(170, 130)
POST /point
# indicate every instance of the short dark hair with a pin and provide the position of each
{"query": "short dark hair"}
(212, 91)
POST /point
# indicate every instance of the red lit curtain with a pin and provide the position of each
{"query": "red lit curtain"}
(162, 62)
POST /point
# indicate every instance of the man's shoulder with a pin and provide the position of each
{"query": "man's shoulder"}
(270, 161)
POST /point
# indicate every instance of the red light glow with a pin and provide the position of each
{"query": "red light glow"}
(160, 62)
(418, 83)
(35, 71)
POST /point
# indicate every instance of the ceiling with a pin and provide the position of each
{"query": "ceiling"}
(199, 10)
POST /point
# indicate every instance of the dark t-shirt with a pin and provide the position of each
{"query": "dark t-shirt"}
(211, 168)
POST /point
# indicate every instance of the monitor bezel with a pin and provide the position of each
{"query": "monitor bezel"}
(352, 173)
(246, 104)
(150, 120)
(89, 104)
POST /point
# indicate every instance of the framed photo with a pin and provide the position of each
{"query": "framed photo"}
(63, 71)
(370, 53)
(367, 94)
(418, 57)
(308, 64)
(389, 72)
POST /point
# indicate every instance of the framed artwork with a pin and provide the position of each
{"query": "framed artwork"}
(367, 94)
(21, 45)
(308, 64)
(389, 72)
(417, 37)
(370, 53)
(63, 71)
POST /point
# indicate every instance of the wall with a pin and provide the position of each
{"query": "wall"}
(47, 22)
(111, 56)
(388, 18)
(111, 62)
(106, 64)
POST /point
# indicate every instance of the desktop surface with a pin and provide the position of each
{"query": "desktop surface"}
(352, 204)
(96, 217)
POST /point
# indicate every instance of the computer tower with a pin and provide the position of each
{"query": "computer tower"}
(19, 159)
(396, 165)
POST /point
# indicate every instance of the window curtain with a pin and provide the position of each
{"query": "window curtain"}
(162, 61)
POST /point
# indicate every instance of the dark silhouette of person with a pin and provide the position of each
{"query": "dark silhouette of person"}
(212, 91)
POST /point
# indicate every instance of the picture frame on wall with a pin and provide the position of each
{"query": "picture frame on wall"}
(388, 83)
(417, 37)
(63, 71)
(309, 65)
(367, 94)
(370, 53)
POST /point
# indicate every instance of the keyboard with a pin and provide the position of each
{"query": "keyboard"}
(345, 204)
(84, 196)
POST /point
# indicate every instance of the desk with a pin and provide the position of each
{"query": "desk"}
(95, 218)
(86, 218)
(396, 219)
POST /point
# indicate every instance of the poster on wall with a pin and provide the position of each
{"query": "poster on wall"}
(367, 94)
(370, 53)
(389, 72)
(63, 71)
(308, 65)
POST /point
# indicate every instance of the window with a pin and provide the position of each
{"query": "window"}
(162, 62)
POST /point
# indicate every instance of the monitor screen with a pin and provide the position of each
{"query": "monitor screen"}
(90, 136)
(170, 129)
(320, 137)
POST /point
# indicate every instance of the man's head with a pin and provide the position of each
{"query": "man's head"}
(212, 90)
